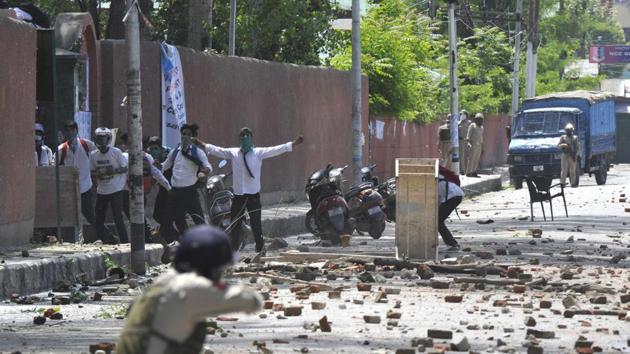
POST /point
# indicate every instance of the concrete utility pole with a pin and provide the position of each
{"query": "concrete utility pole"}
(357, 152)
(134, 117)
(232, 29)
(453, 87)
(517, 59)
(532, 48)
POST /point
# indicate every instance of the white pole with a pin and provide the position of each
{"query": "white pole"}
(453, 85)
(357, 152)
(517, 59)
(232, 29)
(134, 115)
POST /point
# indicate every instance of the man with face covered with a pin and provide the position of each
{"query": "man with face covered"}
(43, 152)
(75, 152)
(185, 165)
(246, 167)
(109, 168)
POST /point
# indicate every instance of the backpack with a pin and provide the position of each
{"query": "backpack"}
(450, 176)
(65, 146)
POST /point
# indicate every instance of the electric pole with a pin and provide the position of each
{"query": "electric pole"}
(357, 152)
(134, 117)
(517, 58)
(532, 48)
(232, 29)
(453, 85)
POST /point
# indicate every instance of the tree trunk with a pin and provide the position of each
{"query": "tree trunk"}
(93, 9)
(209, 33)
(115, 26)
(146, 6)
(195, 23)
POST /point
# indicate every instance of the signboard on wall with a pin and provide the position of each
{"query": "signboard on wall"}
(609, 54)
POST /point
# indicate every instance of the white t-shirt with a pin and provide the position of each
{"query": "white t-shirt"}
(184, 170)
(453, 190)
(189, 299)
(108, 162)
(242, 182)
(76, 156)
(46, 157)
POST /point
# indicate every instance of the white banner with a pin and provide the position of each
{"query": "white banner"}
(173, 101)
(84, 121)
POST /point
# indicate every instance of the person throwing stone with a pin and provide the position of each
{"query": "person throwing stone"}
(246, 169)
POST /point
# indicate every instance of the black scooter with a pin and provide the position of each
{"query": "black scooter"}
(365, 204)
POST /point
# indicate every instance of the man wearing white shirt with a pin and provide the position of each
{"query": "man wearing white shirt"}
(450, 195)
(109, 167)
(246, 168)
(43, 152)
(76, 152)
(187, 164)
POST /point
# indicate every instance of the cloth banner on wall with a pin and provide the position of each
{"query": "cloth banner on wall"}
(84, 121)
(173, 101)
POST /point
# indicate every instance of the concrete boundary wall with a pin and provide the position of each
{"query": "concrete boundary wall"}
(407, 140)
(18, 45)
(277, 101)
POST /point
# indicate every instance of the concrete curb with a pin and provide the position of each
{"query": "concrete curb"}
(30, 276)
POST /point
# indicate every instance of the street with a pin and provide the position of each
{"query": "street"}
(577, 263)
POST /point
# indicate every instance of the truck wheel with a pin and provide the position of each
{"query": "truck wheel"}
(602, 173)
(517, 182)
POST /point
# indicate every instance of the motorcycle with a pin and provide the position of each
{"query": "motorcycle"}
(365, 204)
(219, 205)
(328, 217)
(387, 189)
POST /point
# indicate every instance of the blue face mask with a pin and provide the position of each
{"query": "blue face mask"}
(246, 144)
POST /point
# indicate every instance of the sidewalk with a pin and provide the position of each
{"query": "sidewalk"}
(46, 266)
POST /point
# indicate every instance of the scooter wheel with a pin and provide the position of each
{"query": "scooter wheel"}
(310, 223)
(376, 229)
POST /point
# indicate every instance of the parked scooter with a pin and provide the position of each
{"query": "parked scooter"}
(219, 199)
(365, 204)
(387, 190)
(329, 216)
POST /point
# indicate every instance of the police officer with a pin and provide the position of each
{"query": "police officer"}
(170, 317)
(444, 143)
(463, 125)
(474, 142)
(570, 147)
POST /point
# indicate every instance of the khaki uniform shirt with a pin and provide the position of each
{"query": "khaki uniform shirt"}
(475, 134)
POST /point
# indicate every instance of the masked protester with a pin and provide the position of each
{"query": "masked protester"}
(570, 147)
(186, 165)
(109, 168)
(246, 169)
(75, 152)
(474, 140)
(43, 152)
(170, 317)
(158, 152)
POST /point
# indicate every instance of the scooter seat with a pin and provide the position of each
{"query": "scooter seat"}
(354, 191)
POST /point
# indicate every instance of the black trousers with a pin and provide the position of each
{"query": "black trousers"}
(87, 206)
(186, 200)
(445, 210)
(116, 201)
(251, 203)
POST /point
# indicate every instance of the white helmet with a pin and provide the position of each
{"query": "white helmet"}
(569, 126)
(103, 137)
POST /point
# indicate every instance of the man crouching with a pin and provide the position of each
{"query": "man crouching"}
(170, 316)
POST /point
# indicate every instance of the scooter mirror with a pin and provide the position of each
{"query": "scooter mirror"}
(222, 163)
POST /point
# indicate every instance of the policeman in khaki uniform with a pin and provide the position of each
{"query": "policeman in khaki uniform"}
(444, 143)
(463, 125)
(570, 146)
(474, 142)
(170, 316)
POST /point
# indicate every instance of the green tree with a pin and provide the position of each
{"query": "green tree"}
(399, 57)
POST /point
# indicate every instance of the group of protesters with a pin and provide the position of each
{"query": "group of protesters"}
(178, 172)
